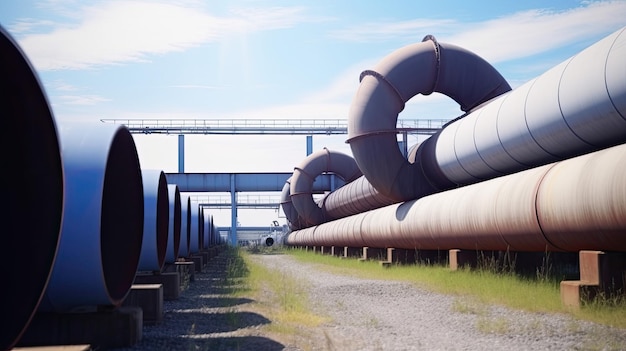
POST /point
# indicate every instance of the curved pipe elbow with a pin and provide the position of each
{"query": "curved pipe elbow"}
(420, 68)
(301, 189)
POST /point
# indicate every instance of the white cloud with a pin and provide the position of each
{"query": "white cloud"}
(513, 36)
(197, 86)
(531, 32)
(392, 30)
(82, 100)
(115, 32)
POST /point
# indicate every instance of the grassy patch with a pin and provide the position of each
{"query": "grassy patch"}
(484, 286)
(279, 297)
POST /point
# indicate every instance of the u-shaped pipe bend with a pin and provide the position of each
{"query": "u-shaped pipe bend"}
(421, 68)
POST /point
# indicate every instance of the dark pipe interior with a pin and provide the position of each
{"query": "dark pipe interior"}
(163, 210)
(122, 216)
(34, 191)
(188, 227)
(177, 224)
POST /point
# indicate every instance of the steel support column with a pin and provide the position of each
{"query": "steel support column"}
(181, 153)
(309, 145)
(233, 209)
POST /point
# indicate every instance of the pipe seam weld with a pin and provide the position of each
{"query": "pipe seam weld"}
(375, 74)
(437, 50)
(301, 171)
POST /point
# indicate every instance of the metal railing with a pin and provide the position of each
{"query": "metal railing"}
(263, 126)
(243, 200)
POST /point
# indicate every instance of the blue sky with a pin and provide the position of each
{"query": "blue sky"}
(270, 60)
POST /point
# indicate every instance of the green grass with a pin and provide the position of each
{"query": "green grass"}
(482, 285)
(279, 297)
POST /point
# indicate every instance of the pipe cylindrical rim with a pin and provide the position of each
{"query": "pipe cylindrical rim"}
(35, 191)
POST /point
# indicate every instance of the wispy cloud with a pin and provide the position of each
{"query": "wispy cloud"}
(531, 32)
(197, 86)
(392, 30)
(115, 32)
(513, 36)
(82, 100)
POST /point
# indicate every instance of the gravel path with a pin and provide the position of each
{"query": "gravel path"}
(364, 315)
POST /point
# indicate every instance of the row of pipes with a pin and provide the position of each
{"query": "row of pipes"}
(82, 218)
(537, 168)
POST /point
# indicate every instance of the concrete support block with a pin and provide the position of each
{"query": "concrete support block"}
(149, 297)
(600, 272)
(401, 256)
(373, 253)
(459, 258)
(336, 251)
(199, 263)
(55, 348)
(169, 280)
(431, 256)
(187, 270)
(118, 328)
(205, 257)
(352, 252)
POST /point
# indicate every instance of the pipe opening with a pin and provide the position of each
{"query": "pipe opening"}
(177, 222)
(34, 174)
(162, 219)
(122, 216)
(187, 226)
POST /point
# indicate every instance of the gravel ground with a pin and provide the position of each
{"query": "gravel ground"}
(364, 315)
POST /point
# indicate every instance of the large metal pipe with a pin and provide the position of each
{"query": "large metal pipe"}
(195, 243)
(185, 227)
(576, 107)
(102, 229)
(317, 163)
(155, 223)
(575, 204)
(518, 130)
(207, 224)
(34, 173)
(293, 218)
(173, 242)
(355, 197)
(421, 68)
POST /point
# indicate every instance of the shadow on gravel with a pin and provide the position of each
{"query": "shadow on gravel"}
(243, 343)
(203, 323)
(223, 301)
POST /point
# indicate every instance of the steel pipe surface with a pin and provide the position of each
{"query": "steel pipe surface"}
(571, 205)
(185, 227)
(207, 224)
(317, 163)
(421, 68)
(155, 222)
(577, 107)
(293, 218)
(195, 243)
(102, 229)
(174, 225)
(34, 191)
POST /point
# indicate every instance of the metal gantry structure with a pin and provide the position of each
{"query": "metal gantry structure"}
(305, 127)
